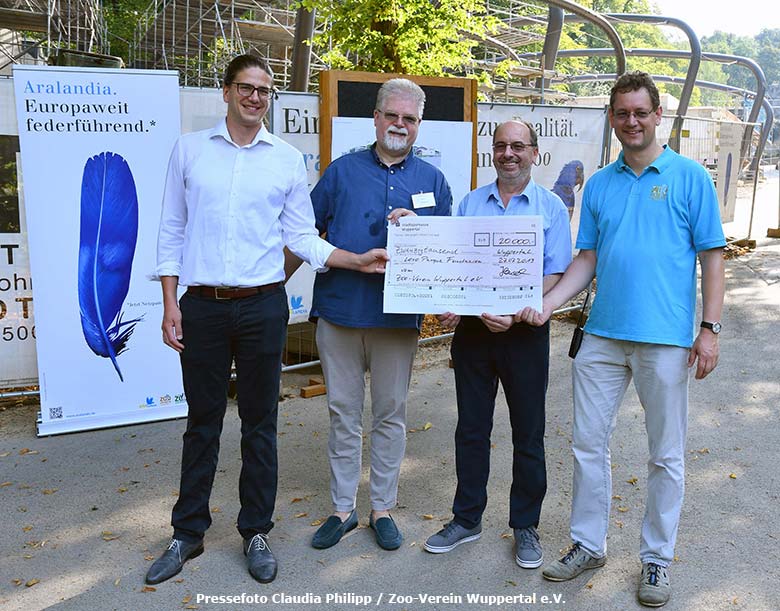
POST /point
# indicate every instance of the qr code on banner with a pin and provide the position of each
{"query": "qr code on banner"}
(55, 412)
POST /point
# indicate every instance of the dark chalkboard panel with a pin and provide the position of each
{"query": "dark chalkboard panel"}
(356, 99)
(353, 94)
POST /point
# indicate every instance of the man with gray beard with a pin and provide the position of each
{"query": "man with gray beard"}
(352, 203)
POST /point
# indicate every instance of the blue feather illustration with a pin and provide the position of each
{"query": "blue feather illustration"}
(109, 230)
(728, 180)
(572, 175)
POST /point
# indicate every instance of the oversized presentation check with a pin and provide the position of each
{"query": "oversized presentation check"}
(464, 265)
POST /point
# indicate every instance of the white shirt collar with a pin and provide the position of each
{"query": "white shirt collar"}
(221, 130)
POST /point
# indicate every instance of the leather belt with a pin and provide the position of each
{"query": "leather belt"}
(231, 292)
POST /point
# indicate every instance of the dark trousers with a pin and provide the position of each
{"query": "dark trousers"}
(252, 332)
(518, 358)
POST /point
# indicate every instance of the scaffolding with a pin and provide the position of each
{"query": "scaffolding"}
(36, 31)
(198, 37)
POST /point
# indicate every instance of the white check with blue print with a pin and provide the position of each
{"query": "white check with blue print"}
(464, 265)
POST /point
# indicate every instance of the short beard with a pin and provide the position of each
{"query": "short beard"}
(394, 142)
(523, 174)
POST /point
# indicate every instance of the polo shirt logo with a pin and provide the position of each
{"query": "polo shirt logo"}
(658, 192)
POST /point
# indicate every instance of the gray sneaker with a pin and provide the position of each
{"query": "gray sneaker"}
(528, 552)
(451, 536)
(574, 562)
(654, 587)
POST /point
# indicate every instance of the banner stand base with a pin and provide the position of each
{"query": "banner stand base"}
(78, 425)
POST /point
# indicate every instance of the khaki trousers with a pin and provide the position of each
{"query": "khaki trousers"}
(347, 354)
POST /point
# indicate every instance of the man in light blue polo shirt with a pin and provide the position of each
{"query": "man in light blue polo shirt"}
(492, 348)
(645, 219)
(352, 202)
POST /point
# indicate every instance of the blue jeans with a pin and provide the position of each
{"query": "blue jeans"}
(519, 359)
(252, 332)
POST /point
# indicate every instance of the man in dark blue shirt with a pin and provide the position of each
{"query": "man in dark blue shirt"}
(352, 201)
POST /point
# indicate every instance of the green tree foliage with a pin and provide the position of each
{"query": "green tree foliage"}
(732, 44)
(633, 35)
(764, 49)
(768, 55)
(122, 17)
(712, 72)
(9, 190)
(410, 36)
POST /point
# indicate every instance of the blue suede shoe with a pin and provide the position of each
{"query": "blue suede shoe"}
(387, 534)
(331, 532)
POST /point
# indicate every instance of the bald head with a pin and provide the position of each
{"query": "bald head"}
(514, 152)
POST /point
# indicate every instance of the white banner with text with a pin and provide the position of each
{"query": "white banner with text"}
(570, 144)
(94, 147)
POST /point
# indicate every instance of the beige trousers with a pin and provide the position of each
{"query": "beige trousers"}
(347, 354)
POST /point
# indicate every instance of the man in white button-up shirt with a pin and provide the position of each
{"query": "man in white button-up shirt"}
(235, 195)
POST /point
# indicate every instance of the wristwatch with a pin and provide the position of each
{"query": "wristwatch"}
(712, 326)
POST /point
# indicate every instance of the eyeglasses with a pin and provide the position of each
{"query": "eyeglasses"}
(641, 115)
(517, 147)
(392, 117)
(246, 90)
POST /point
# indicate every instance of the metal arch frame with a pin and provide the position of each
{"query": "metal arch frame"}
(552, 41)
(758, 95)
(592, 17)
(723, 58)
(767, 125)
(494, 42)
(694, 56)
(757, 71)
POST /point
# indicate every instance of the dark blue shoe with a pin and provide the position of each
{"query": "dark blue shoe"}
(172, 560)
(387, 534)
(331, 532)
(260, 559)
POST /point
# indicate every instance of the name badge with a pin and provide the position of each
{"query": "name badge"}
(423, 200)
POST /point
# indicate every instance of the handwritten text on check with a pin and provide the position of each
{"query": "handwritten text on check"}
(464, 265)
